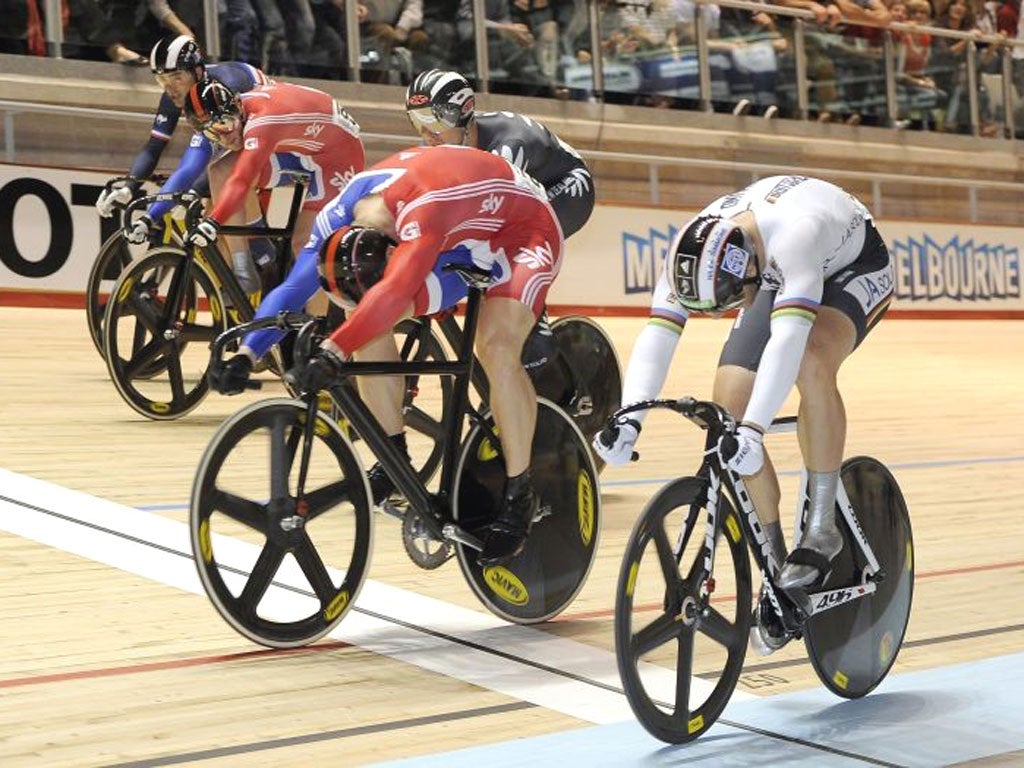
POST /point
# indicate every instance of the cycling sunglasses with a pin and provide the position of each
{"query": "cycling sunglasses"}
(219, 128)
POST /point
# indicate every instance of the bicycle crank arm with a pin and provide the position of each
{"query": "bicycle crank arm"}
(452, 532)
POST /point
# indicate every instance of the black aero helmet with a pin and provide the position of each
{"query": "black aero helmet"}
(210, 101)
(710, 257)
(175, 54)
(351, 262)
(438, 96)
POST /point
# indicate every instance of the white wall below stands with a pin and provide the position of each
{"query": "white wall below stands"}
(50, 234)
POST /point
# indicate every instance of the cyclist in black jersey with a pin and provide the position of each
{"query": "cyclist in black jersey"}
(177, 63)
(441, 108)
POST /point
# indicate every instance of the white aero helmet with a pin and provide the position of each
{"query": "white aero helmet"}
(710, 260)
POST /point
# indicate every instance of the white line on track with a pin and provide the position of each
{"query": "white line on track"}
(476, 647)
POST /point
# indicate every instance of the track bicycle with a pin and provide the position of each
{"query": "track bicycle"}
(281, 498)
(681, 636)
(114, 255)
(168, 306)
(571, 362)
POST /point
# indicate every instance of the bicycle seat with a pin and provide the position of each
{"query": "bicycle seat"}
(474, 277)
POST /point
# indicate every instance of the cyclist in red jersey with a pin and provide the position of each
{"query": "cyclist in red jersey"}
(274, 131)
(397, 226)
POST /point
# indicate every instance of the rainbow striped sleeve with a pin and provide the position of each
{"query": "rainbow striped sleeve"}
(670, 321)
(802, 309)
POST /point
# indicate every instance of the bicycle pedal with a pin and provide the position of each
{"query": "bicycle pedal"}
(584, 406)
(765, 644)
(542, 512)
(394, 506)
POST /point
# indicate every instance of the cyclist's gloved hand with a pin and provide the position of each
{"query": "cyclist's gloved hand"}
(139, 231)
(202, 234)
(321, 371)
(231, 378)
(615, 444)
(119, 195)
(749, 456)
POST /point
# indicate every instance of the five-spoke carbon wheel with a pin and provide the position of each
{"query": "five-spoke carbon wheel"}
(282, 568)
(164, 312)
(115, 254)
(680, 631)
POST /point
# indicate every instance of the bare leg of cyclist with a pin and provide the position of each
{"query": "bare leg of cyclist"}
(383, 396)
(821, 429)
(732, 388)
(503, 327)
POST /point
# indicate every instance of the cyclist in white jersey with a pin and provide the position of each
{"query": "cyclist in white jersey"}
(812, 276)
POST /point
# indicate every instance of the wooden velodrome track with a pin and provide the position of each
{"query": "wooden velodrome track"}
(103, 665)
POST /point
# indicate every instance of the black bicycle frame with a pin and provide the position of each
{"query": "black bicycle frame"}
(220, 267)
(431, 508)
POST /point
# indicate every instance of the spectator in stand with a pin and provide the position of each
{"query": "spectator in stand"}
(383, 26)
(860, 60)
(509, 47)
(949, 57)
(913, 55)
(1007, 18)
(433, 45)
(821, 69)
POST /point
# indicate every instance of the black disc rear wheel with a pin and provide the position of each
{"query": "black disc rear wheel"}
(681, 632)
(853, 646)
(543, 579)
(588, 352)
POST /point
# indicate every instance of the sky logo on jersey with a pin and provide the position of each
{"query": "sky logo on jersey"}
(492, 203)
(410, 231)
(535, 258)
(962, 269)
(314, 130)
(252, 142)
(339, 179)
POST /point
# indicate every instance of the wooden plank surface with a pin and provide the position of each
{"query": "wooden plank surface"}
(101, 666)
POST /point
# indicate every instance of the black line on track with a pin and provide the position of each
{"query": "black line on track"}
(940, 639)
(313, 738)
(210, 754)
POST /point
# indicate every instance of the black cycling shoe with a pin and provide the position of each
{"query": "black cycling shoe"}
(506, 536)
(382, 487)
(767, 634)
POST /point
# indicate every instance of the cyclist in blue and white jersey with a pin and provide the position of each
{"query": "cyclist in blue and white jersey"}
(177, 63)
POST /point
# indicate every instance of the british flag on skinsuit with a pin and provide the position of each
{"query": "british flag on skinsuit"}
(291, 128)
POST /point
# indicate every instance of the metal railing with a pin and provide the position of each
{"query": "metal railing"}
(803, 21)
(878, 181)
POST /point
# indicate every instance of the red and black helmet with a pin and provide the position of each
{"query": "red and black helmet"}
(210, 101)
(437, 96)
(352, 261)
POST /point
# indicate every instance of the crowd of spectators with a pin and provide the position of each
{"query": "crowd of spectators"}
(543, 47)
